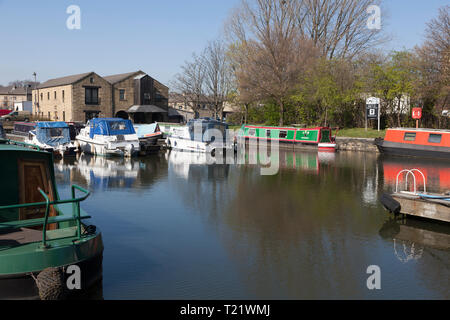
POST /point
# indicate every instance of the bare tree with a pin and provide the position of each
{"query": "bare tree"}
(268, 51)
(339, 27)
(433, 63)
(191, 82)
(218, 75)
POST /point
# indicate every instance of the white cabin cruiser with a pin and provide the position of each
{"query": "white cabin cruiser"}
(53, 137)
(200, 135)
(109, 137)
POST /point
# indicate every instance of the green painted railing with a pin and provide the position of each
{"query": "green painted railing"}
(24, 144)
(76, 212)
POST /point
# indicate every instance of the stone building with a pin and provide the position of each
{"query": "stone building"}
(77, 97)
(84, 96)
(11, 94)
(138, 96)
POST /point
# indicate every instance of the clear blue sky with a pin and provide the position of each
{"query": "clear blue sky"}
(154, 36)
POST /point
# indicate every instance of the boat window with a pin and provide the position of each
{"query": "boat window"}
(268, 133)
(435, 138)
(251, 132)
(283, 134)
(56, 132)
(410, 136)
(118, 125)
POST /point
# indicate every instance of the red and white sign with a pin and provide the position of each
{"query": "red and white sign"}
(417, 113)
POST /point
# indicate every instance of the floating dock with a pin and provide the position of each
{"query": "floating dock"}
(415, 205)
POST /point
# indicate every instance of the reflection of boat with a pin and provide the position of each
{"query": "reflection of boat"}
(416, 142)
(103, 173)
(40, 231)
(109, 136)
(200, 135)
(416, 203)
(319, 137)
(437, 173)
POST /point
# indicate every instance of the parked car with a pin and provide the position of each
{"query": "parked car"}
(17, 116)
(4, 112)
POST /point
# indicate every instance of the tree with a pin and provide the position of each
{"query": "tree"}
(339, 27)
(217, 75)
(268, 51)
(433, 64)
(191, 82)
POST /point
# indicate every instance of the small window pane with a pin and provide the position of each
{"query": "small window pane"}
(283, 134)
(268, 134)
(410, 136)
(251, 132)
(435, 138)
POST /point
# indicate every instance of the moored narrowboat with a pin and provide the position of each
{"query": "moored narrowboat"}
(319, 137)
(429, 143)
(40, 234)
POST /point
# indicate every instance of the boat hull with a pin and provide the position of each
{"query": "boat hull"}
(402, 149)
(177, 143)
(101, 149)
(23, 286)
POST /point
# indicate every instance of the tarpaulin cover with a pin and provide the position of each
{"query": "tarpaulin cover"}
(52, 133)
(110, 127)
(143, 129)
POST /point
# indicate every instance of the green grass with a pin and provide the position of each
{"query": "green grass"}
(361, 133)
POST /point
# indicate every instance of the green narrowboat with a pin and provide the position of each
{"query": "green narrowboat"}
(316, 137)
(41, 236)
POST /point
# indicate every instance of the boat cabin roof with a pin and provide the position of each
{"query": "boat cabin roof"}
(422, 130)
(52, 124)
(110, 126)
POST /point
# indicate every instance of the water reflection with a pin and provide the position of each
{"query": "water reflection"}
(103, 173)
(209, 230)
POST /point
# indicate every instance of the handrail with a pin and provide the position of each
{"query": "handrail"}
(24, 144)
(408, 172)
(76, 213)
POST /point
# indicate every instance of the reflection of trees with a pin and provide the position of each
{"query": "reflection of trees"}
(295, 231)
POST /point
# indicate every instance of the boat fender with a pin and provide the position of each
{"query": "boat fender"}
(50, 283)
(390, 203)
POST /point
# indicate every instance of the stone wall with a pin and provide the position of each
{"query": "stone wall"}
(356, 144)
(104, 94)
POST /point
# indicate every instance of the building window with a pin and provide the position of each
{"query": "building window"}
(42, 96)
(63, 96)
(122, 94)
(435, 138)
(55, 95)
(64, 116)
(91, 96)
(48, 95)
(91, 80)
(49, 115)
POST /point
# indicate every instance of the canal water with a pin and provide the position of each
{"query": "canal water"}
(177, 227)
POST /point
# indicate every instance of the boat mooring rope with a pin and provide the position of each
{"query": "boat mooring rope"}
(50, 283)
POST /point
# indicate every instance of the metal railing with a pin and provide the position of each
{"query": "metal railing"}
(411, 172)
(76, 212)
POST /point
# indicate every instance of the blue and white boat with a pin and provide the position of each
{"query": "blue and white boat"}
(53, 137)
(109, 137)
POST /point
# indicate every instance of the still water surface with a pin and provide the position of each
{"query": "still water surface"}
(177, 228)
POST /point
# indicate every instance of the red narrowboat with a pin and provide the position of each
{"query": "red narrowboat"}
(429, 143)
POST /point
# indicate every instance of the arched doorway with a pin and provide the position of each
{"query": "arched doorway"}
(122, 114)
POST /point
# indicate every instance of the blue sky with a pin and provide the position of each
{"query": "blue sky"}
(153, 36)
